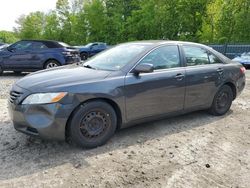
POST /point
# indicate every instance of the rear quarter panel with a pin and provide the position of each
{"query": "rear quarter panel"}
(52, 54)
(232, 74)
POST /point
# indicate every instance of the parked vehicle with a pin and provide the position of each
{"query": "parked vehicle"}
(244, 59)
(91, 49)
(87, 103)
(3, 46)
(33, 55)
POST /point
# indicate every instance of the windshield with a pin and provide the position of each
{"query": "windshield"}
(115, 58)
(88, 45)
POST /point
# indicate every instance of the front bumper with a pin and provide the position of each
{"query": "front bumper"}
(45, 121)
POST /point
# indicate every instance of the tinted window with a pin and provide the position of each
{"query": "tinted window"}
(163, 58)
(195, 56)
(95, 47)
(213, 59)
(22, 45)
(38, 46)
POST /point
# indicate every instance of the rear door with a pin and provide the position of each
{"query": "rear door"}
(203, 75)
(159, 92)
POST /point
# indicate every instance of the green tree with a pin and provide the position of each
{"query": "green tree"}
(8, 37)
(113, 21)
(31, 26)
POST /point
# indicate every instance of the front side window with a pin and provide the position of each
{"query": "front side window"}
(195, 56)
(163, 58)
(95, 47)
(22, 45)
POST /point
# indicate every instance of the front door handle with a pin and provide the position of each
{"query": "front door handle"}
(179, 77)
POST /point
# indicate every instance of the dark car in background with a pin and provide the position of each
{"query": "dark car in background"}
(128, 84)
(33, 55)
(92, 49)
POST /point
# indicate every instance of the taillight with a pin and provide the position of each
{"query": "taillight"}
(242, 70)
(67, 53)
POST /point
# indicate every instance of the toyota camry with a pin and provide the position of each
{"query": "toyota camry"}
(129, 84)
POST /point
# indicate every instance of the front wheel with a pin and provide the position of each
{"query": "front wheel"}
(1, 70)
(84, 56)
(92, 124)
(222, 101)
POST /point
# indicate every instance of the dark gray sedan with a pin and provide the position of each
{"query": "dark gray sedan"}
(128, 84)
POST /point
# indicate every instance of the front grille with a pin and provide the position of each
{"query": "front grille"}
(14, 96)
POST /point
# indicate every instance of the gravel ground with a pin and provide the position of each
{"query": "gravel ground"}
(194, 150)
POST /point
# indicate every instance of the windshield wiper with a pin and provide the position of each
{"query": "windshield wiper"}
(89, 67)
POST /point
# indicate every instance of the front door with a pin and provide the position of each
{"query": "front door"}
(159, 92)
(20, 55)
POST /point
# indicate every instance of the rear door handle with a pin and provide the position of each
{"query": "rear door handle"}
(220, 70)
(179, 77)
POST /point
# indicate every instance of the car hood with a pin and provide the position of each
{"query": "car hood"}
(60, 78)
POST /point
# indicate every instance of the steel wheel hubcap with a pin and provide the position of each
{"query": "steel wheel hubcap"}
(222, 100)
(94, 124)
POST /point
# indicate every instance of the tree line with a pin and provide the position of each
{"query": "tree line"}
(114, 21)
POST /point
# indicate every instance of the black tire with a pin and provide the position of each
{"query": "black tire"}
(222, 101)
(51, 64)
(92, 124)
(1, 70)
(17, 72)
(84, 56)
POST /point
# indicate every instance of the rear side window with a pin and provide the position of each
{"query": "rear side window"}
(38, 46)
(163, 58)
(213, 59)
(195, 55)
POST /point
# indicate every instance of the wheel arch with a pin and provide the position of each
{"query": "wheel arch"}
(54, 59)
(106, 100)
(233, 87)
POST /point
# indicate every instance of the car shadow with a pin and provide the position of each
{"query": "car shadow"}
(27, 156)
(15, 74)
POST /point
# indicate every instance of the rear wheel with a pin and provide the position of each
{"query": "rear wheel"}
(222, 101)
(93, 124)
(51, 64)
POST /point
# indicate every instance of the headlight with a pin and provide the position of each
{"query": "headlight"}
(44, 98)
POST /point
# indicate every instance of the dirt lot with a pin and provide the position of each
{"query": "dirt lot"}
(194, 150)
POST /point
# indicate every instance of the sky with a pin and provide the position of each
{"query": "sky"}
(10, 10)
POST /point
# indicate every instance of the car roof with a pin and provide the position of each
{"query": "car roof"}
(48, 43)
(162, 42)
(38, 40)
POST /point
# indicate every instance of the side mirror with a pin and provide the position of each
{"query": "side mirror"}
(10, 49)
(144, 68)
